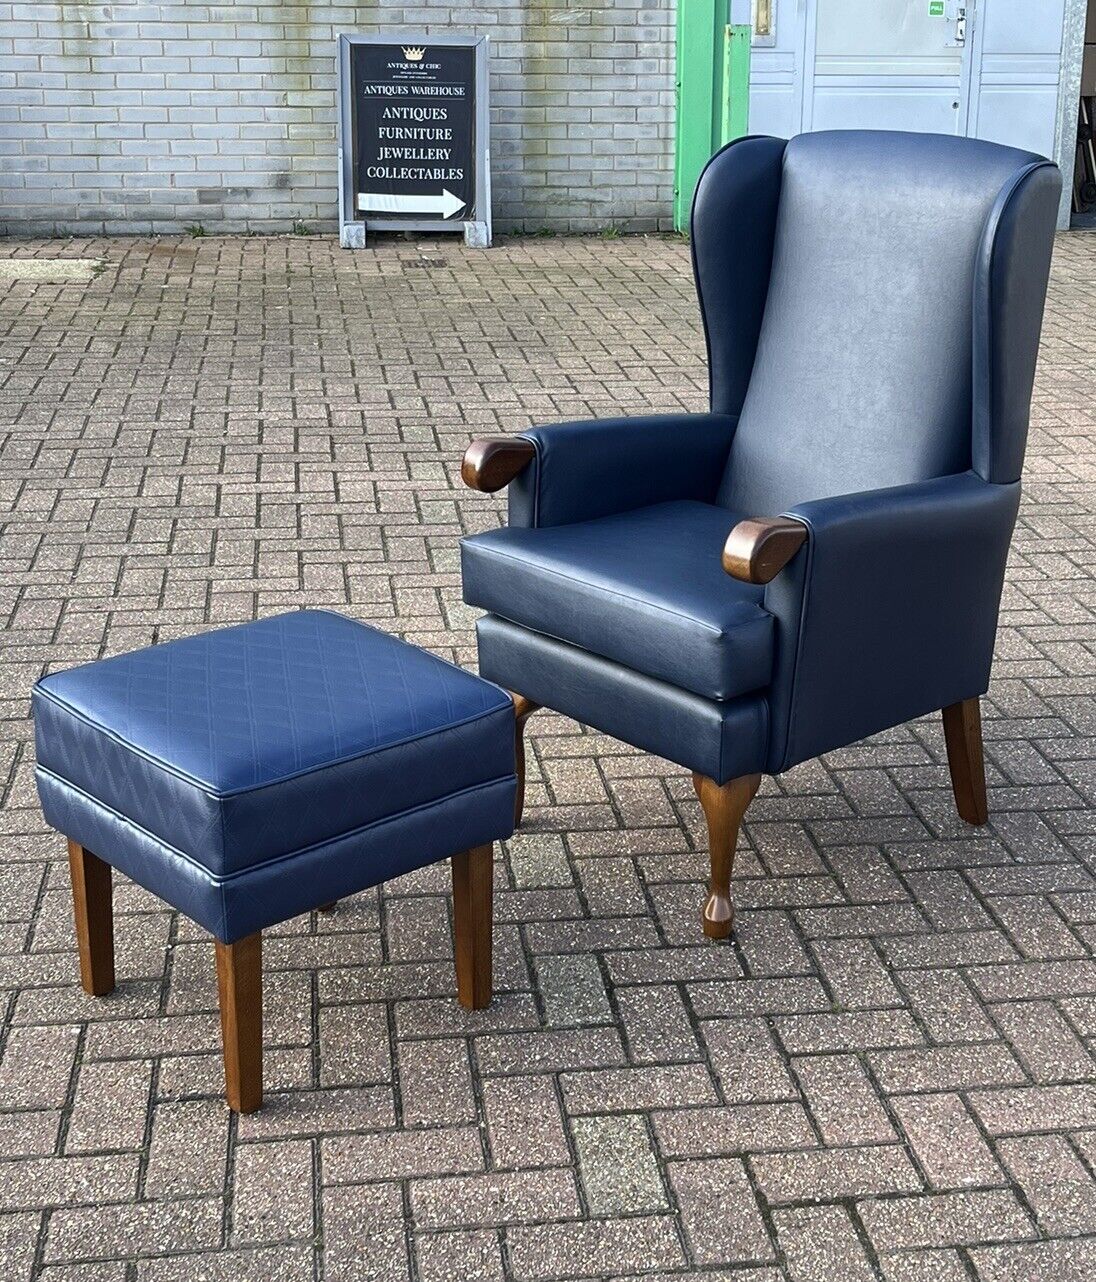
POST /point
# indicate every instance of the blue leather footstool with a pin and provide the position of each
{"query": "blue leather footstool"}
(256, 772)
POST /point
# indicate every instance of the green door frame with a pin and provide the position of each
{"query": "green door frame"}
(713, 92)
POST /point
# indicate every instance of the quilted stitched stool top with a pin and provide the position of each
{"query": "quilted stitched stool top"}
(239, 746)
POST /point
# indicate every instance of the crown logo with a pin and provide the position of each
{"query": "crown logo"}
(414, 55)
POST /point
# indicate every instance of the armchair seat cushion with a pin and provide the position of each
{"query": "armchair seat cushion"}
(644, 588)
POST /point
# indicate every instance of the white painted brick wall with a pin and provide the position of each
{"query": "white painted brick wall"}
(139, 117)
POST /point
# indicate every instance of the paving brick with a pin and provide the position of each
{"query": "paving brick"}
(853, 1030)
(1035, 1108)
(549, 1051)
(1036, 1262)
(746, 1061)
(435, 1083)
(58, 1181)
(945, 1219)
(1056, 1183)
(820, 1244)
(364, 1235)
(272, 1192)
(942, 1068)
(944, 1265)
(188, 1149)
(945, 1006)
(1044, 1043)
(591, 1247)
(719, 1212)
(736, 1128)
(573, 990)
(857, 977)
(656, 1024)
(304, 1113)
(294, 1263)
(474, 1254)
(19, 1235)
(842, 1101)
(497, 1198)
(946, 1142)
(642, 1088)
(835, 1173)
(354, 1045)
(394, 1155)
(36, 1066)
(110, 1109)
(524, 1122)
(147, 1228)
(617, 1162)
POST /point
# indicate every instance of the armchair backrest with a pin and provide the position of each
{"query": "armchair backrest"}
(872, 303)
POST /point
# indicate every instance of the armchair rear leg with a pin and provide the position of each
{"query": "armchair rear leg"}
(963, 736)
(93, 912)
(523, 710)
(723, 806)
(240, 985)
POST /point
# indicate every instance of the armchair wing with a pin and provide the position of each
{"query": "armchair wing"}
(582, 470)
(888, 613)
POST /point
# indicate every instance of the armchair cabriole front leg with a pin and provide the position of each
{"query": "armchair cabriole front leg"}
(491, 462)
(723, 806)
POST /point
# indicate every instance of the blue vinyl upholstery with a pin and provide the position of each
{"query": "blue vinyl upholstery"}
(589, 469)
(871, 303)
(864, 364)
(253, 772)
(638, 588)
(721, 740)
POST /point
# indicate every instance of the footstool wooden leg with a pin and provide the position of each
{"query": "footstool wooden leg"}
(472, 926)
(93, 911)
(240, 984)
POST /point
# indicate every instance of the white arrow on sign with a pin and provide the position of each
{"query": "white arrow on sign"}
(389, 203)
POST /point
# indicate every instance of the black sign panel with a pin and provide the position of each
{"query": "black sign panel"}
(414, 126)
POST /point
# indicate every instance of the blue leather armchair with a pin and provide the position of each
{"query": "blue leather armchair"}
(820, 557)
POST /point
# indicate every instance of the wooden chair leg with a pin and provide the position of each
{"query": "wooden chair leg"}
(240, 984)
(93, 910)
(723, 806)
(963, 736)
(523, 710)
(472, 926)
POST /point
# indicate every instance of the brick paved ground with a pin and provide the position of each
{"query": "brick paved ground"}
(889, 1074)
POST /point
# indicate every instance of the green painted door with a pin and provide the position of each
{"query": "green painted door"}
(713, 92)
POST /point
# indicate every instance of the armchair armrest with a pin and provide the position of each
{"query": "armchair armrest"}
(758, 548)
(490, 463)
(578, 471)
(890, 612)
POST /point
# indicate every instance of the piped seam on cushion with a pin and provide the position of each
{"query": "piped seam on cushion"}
(223, 794)
(223, 879)
(721, 633)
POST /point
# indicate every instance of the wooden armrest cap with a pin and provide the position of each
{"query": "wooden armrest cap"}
(757, 549)
(491, 462)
